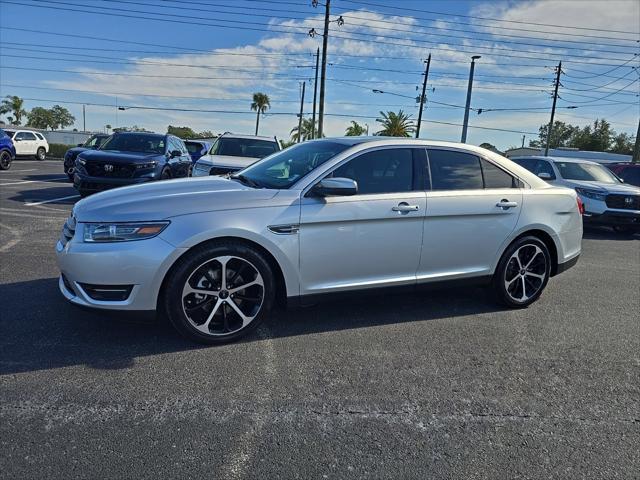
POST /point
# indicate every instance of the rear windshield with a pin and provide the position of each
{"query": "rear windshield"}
(587, 172)
(135, 143)
(244, 147)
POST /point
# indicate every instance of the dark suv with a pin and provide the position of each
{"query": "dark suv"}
(7, 151)
(128, 158)
(93, 143)
(628, 172)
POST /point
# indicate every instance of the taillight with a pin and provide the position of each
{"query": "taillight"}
(580, 206)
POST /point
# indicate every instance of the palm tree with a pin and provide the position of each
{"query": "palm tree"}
(355, 129)
(13, 104)
(307, 131)
(260, 104)
(396, 124)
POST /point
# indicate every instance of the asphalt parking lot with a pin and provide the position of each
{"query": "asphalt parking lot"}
(439, 385)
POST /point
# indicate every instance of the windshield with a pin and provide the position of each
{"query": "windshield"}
(283, 169)
(244, 147)
(135, 143)
(193, 147)
(587, 172)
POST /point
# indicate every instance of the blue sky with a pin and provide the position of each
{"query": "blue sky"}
(212, 55)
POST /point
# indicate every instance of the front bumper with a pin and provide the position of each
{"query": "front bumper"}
(613, 218)
(140, 264)
(97, 184)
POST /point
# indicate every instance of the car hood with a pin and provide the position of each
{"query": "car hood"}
(169, 198)
(226, 161)
(76, 150)
(117, 156)
(622, 188)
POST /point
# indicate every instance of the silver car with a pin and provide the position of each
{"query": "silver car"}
(323, 217)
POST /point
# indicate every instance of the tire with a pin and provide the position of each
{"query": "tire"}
(41, 154)
(166, 174)
(5, 160)
(528, 255)
(229, 311)
(190, 171)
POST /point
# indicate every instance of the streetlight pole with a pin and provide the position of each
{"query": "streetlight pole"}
(315, 94)
(84, 119)
(465, 124)
(323, 75)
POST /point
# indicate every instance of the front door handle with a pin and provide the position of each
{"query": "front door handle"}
(404, 207)
(506, 204)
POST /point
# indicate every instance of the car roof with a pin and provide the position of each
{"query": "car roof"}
(150, 134)
(555, 159)
(254, 137)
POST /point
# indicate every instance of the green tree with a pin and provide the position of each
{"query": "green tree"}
(286, 143)
(307, 130)
(13, 104)
(39, 117)
(395, 124)
(135, 128)
(181, 132)
(61, 117)
(561, 135)
(206, 134)
(355, 129)
(260, 104)
(622, 143)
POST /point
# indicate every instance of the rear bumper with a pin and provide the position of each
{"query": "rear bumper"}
(563, 267)
(613, 217)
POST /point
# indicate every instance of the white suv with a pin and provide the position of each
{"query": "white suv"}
(230, 153)
(29, 143)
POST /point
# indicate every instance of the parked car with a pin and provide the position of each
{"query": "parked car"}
(607, 201)
(128, 158)
(197, 148)
(93, 143)
(7, 151)
(322, 217)
(29, 143)
(231, 153)
(628, 172)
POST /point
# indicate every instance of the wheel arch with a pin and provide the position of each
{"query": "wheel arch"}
(544, 236)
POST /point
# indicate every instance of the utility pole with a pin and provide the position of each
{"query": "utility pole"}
(636, 148)
(422, 97)
(323, 74)
(465, 124)
(523, 138)
(553, 108)
(84, 119)
(301, 109)
(315, 94)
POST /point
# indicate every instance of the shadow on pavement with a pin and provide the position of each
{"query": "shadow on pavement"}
(52, 333)
(45, 194)
(605, 233)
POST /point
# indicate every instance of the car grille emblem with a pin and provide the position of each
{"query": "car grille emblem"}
(108, 168)
(628, 200)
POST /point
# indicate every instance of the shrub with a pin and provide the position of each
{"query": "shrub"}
(57, 150)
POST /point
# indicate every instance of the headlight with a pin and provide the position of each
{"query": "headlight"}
(593, 194)
(122, 232)
(142, 166)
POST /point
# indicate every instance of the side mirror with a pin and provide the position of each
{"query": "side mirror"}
(335, 187)
(17, 139)
(544, 176)
(175, 153)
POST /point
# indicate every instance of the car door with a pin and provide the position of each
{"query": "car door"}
(24, 142)
(369, 239)
(173, 162)
(472, 208)
(185, 158)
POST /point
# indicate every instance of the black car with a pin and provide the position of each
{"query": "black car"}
(93, 143)
(128, 158)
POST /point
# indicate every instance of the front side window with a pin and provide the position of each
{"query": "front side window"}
(381, 171)
(39, 135)
(451, 170)
(25, 136)
(243, 147)
(286, 167)
(588, 172)
(91, 142)
(135, 143)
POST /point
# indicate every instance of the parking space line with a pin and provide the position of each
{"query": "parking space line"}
(33, 204)
(31, 181)
(29, 170)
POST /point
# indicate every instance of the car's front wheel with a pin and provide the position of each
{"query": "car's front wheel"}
(5, 160)
(522, 273)
(219, 292)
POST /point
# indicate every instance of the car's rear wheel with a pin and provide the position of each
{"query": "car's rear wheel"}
(219, 292)
(5, 160)
(522, 273)
(41, 154)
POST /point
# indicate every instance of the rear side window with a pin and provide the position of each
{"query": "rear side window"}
(451, 170)
(381, 171)
(495, 177)
(39, 135)
(630, 175)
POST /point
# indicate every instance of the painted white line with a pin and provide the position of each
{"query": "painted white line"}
(30, 181)
(33, 204)
(14, 241)
(29, 170)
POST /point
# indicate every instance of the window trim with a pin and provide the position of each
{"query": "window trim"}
(418, 181)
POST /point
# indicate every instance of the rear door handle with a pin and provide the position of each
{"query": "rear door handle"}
(506, 204)
(404, 207)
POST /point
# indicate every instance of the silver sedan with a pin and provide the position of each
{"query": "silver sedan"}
(320, 218)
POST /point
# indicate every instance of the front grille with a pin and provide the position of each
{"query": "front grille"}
(109, 170)
(68, 230)
(623, 202)
(221, 170)
(107, 293)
